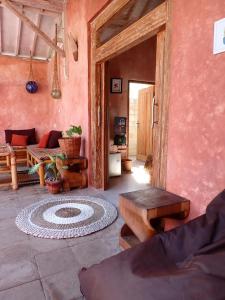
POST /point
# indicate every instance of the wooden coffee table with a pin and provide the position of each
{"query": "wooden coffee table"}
(144, 210)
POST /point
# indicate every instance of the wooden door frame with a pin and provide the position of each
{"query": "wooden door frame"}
(156, 22)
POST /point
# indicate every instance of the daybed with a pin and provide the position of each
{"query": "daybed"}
(31, 153)
(185, 263)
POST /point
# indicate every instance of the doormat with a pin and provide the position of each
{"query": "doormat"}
(66, 217)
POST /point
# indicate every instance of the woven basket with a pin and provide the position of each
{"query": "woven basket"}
(70, 146)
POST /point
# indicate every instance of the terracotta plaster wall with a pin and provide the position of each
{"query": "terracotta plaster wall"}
(196, 149)
(72, 108)
(136, 64)
(20, 109)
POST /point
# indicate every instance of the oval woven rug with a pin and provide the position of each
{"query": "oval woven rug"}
(66, 217)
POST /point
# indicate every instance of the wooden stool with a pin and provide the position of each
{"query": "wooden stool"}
(142, 211)
(8, 166)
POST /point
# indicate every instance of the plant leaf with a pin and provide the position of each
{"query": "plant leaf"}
(34, 169)
(61, 156)
(52, 158)
(50, 166)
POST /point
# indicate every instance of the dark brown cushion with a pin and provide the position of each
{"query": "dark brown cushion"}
(53, 139)
(28, 132)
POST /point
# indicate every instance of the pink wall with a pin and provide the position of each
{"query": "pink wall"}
(73, 107)
(19, 109)
(136, 64)
(196, 153)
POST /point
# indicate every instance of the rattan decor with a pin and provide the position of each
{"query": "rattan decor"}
(70, 146)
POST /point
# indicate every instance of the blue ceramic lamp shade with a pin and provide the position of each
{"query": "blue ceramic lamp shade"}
(31, 85)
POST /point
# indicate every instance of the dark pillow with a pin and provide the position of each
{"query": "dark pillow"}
(28, 132)
(53, 139)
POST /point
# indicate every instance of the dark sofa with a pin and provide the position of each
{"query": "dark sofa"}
(186, 263)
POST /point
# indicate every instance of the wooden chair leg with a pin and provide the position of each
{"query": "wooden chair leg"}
(28, 159)
(42, 175)
(14, 173)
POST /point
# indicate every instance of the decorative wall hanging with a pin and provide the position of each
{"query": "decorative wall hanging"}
(31, 85)
(116, 85)
(74, 46)
(219, 36)
(56, 91)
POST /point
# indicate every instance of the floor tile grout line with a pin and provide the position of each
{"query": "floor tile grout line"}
(18, 285)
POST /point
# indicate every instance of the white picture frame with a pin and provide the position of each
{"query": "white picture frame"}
(219, 36)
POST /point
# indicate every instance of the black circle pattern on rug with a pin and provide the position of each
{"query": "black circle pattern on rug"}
(66, 217)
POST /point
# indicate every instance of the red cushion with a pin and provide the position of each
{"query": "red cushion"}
(44, 141)
(53, 139)
(19, 140)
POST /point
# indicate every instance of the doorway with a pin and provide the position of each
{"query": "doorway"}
(129, 112)
(155, 21)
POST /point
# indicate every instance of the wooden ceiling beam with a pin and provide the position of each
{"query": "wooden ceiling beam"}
(32, 26)
(18, 35)
(23, 57)
(43, 12)
(53, 5)
(36, 36)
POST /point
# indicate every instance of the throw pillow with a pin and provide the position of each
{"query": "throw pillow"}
(53, 139)
(19, 140)
(44, 141)
(28, 132)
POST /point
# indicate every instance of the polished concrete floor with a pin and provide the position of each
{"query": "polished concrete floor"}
(41, 269)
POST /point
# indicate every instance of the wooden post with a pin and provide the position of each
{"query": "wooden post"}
(14, 172)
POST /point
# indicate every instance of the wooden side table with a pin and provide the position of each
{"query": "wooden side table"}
(75, 174)
(142, 209)
(8, 166)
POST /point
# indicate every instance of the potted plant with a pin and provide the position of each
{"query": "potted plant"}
(70, 143)
(52, 175)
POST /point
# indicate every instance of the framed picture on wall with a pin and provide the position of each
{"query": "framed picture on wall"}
(116, 85)
(219, 36)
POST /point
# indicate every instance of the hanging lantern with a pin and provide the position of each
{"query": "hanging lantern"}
(31, 85)
(56, 92)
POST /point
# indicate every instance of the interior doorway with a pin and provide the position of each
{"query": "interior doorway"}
(129, 113)
(105, 46)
